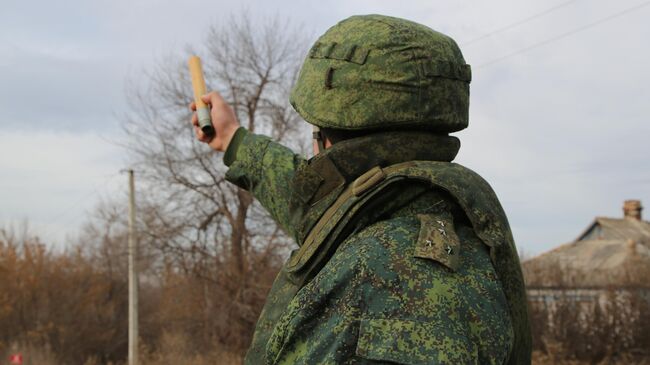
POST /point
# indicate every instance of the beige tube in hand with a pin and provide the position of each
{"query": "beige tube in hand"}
(198, 84)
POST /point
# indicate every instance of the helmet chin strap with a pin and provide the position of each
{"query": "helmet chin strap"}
(317, 135)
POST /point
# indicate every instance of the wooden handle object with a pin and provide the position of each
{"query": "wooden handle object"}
(198, 85)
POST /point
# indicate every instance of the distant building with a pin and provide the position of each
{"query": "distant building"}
(611, 256)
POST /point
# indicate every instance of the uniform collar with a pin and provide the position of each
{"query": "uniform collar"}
(318, 183)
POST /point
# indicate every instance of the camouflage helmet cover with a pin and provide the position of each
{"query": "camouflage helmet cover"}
(380, 72)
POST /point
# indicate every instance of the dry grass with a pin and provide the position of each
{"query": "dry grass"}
(175, 349)
(32, 355)
(616, 331)
(540, 358)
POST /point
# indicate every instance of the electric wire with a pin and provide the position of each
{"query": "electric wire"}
(565, 34)
(517, 23)
(95, 191)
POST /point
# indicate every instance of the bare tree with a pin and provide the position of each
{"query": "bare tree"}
(202, 224)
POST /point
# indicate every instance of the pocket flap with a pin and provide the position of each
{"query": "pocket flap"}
(438, 240)
(413, 343)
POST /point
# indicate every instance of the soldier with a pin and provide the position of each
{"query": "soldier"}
(404, 257)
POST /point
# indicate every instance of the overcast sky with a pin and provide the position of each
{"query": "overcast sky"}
(558, 117)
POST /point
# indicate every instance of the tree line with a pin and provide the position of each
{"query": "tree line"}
(208, 252)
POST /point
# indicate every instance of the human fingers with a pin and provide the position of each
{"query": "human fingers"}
(198, 133)
(193, 106)
(195, 119)
(202, 137)
(213, 98)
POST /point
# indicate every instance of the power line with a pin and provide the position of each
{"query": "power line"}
(518, 23)
(564, 35)
(77, 202)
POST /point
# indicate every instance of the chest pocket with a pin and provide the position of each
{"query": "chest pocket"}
(438, 241)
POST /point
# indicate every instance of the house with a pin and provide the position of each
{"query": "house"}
(611, 256)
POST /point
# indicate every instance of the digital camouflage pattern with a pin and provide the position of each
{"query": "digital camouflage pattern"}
(378, 72)
(404, 257)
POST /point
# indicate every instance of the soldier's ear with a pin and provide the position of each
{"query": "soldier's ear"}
(327, 143)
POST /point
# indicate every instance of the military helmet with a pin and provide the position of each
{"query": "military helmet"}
(379, 72)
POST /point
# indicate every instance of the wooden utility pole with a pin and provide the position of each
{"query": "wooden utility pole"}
(133, 276)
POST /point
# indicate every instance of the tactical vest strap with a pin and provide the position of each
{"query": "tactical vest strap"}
(333, 215)
(475, 197)
(472, 193)
(367, 181)
(359, 191)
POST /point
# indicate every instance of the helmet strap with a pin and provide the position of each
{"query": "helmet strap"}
(317, 135)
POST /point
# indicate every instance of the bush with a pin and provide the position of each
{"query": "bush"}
(612, 328)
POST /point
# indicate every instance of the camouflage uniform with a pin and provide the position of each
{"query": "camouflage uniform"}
(404, 257)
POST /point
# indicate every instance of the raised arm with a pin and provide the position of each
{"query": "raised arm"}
(266, 169)
(257, 164)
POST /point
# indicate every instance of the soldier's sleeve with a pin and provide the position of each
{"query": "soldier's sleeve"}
(265, 168)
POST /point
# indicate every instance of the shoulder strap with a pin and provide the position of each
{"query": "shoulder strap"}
(475, 197)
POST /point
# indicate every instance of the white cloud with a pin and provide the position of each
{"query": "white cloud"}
(50, 179)
(560, 131)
